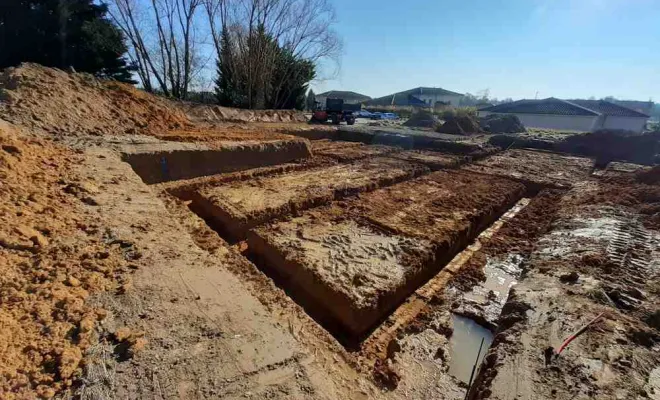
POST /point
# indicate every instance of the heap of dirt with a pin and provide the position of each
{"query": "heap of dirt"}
(76, 104)
(505, 123)
(212, 113)
(611, 145)
(452, 127)
(422, 119)
(650, 177)
(51, 259)
(460, 125)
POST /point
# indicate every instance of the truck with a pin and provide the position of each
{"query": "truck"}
(336, 111)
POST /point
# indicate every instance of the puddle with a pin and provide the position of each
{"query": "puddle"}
(464, 346)
(487, 298)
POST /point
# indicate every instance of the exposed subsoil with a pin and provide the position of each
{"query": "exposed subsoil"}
(52, 258)
(239, 206)
(596, 259)
(435, 160)
(346, 153)
(535, 167)
(111, 288)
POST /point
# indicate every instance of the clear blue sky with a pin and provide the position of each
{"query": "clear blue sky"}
(513, 48)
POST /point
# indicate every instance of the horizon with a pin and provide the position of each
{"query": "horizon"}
(520, 50)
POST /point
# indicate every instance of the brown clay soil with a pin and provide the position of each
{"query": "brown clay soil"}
(327, 144)
(111, 288)
(536, 167)
(346, 153)
(597, 258)
(66, 104)
(242, 205)
(52, 257)
(356, 270)
(435, 160)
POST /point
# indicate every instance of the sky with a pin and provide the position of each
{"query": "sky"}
(511, 48)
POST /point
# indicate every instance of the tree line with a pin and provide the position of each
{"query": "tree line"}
(265, 52)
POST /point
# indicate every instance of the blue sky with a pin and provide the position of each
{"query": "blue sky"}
(512, 48)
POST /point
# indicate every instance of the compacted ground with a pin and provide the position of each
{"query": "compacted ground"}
(364, 275)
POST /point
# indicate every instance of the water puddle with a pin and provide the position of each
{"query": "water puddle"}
(487, 298)
(464, 346)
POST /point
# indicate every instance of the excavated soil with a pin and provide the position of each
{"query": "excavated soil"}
(327, 144)
(354, 270)
(433, 159)
(67, 104)
(596, 259)
(52, 258)
(346, 153)
(447, 208)
(106, 293)
(239, 206)
(157, 164)
(438, 213)
(535, 167)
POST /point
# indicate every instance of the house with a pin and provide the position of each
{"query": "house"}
(645, 107)
(420, 97)
(574, 115)
(348, 97)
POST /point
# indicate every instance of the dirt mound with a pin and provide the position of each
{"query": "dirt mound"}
(422, 119)
(452, 126)
(51, 260)
(460, 125)
(501, 124)
(210, 113)
(650, 177)
(74, 104)
(612, 145)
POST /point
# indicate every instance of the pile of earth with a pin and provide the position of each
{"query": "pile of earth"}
(422, 119)
(503, 123)
(460, 125)
(610, 145)
(52, 258)
(211, 113)
(78, 104)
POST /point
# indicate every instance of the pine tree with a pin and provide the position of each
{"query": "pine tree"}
(63, 34)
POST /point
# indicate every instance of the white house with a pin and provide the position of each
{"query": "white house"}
(421, 96)
(574, 115)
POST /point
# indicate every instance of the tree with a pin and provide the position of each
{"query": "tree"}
(246, 80)
(163, 40)
(275, 46)
(63, 34)
(311, 100)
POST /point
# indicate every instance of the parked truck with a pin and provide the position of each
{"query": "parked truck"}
(336, 111)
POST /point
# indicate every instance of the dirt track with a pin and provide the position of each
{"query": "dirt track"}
(114, 288)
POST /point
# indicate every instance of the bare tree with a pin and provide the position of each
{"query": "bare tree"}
(163, 40)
